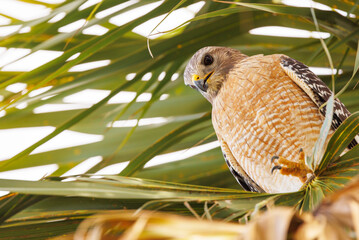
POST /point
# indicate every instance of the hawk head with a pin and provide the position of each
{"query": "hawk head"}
(208, 69)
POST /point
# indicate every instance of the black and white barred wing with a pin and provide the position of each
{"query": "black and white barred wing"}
(316, 89)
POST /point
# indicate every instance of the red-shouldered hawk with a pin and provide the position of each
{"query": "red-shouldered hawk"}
(263, 107)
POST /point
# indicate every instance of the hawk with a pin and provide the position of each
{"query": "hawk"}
(265, 112)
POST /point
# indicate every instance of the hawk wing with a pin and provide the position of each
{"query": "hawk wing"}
(316, 89)
(239, 174)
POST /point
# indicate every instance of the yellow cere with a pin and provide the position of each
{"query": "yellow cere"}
(195, 77)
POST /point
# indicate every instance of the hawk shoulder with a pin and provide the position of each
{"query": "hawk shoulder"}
(316, 89)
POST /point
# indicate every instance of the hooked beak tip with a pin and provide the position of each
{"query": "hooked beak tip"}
(201, 85)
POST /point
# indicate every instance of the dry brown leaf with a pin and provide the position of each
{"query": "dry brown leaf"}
(155, 225)
(342, 207)
(271, 225)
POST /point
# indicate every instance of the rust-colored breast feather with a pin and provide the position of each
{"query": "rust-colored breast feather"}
(260, 112)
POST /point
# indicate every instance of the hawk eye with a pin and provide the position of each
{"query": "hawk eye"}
(207, 60)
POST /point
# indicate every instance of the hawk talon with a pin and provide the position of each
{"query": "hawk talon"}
(276, 167)
(274, 158)
(287, 167)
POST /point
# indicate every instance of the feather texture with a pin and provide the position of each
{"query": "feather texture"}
(316, 89)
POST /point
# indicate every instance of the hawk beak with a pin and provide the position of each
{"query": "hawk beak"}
(201, 83)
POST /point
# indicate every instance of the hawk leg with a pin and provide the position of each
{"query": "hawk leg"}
(286, 167)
